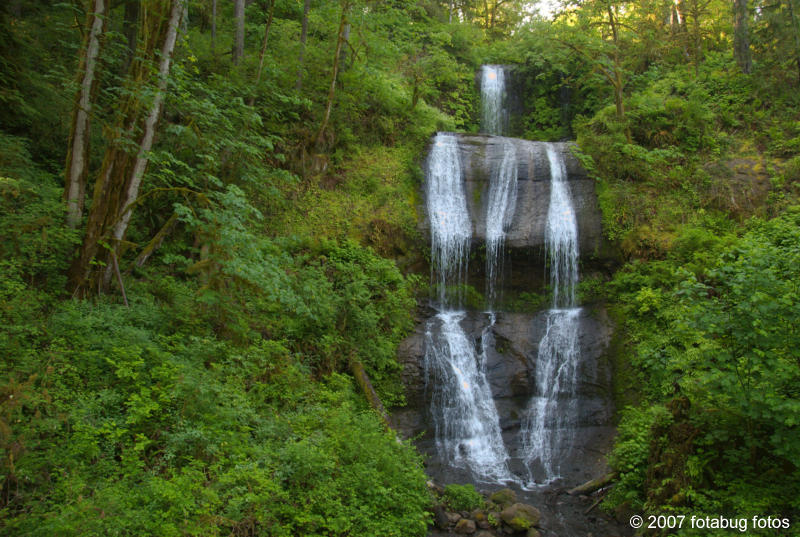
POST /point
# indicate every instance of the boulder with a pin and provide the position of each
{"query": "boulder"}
(453, 517)
(465, 525)
(503, 497)
(520, 516)
(440, 518)
(478, 515)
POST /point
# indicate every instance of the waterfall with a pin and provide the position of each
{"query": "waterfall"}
(494, 117)
(561, 235)
(466, 422)
(499, 213)
(451, 228)
(549, 425)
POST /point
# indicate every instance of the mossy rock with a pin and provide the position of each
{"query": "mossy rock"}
(465, 525)
(503, 497)
(478, 515)
(519, 523)
(520, 516)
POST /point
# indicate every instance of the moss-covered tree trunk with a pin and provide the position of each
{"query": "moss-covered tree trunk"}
(337, 56)
(795, 36)
(117, 184)
(741, 36)
(267, 27)
(616, 74)
(303, 36)
(213, 24)
(238, 42)
(77, 168)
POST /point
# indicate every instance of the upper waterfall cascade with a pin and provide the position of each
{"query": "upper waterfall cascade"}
(494, 112)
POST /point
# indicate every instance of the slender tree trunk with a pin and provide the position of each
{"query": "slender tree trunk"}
(165, 63)
(77, 168)
(696, 36)
(618, 81)
(362, 379)
(117, 185)
(796, 35)
(238, 45)
(303, 36)
(741, 36)
(346, 41)
(332, 91)
(213, 25)
(131, 19)
(156, 241)
(15, 8)
(263, 51)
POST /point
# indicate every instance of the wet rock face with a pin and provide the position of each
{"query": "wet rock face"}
(481, 154)
(511, 369)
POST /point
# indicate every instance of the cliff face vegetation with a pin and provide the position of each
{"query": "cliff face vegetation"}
(209, 225)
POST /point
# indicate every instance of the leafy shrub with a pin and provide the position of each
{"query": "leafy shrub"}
(462, 497)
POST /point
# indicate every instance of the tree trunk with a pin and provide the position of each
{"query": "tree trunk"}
(263, 51)
(332, 91)
(362, 379)
(618, 81)
(155, 242)
(238, 45)
(696, 36)
(796, 35)
(741, 37)
(345, 41)
(77, 168)
(213, 24)
(130, 21)
(593, 485)
(303, 36)
(118, 182)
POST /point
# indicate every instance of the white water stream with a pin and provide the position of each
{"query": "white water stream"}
(499, 213)
(549, 426)
(494, 113)
(465, 419)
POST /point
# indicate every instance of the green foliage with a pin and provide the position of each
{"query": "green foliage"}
(718, 333)
(631, 452)
(462, 497)
(34, 247)
(168, 429)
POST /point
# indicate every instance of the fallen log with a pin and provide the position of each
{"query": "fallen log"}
(593, 485)
(357, 368)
